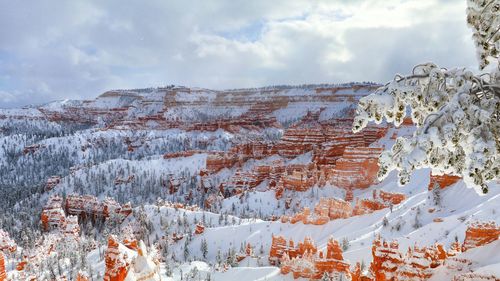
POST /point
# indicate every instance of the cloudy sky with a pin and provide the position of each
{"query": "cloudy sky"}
(78, 49)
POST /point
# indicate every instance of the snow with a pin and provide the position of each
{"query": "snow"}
(485, 261)
(361, 230)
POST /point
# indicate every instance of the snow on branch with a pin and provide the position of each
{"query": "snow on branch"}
(456, 112)
(483, 16)
(457, 119)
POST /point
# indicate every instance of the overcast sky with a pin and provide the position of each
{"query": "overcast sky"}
(78, 49)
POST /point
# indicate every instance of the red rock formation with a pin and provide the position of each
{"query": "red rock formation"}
(199, 229)
(479, 234)
(82, 277)
(307, 262)
(297, 141)
(177, 237)
(52, 214)
(349, 195)
(327, 209)
(126, 209)
(393, 198)
(88, 206)
(333, 149)
(333, 208)
(298, 181)
(357, 168)
(367, 206)
(380, 201)
(442, 181)
(386, 260)
(279, 189)
(332, 262)
(218, 161)
(131, 244)
(174, 183)
(280, 248)
(3, 273)
(418, 262)
(21, 265)
(116, 264)
(417, 265)
(253, 150)
(301, 216)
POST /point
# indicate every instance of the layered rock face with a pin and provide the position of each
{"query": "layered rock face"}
(386, 260)
(327, 209)
(87, 206)
(186, 108)
(379, 201)
(442, 181)
(339, 162)
(391, 197)
(479, 234)
(53, 215)
(333, 208)
(357, 168)
(3, 273)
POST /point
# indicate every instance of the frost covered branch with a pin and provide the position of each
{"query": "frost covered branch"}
(484, 19)
(456, 112)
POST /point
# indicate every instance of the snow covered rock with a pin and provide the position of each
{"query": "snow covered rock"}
(357, 168)
(479, 234)
(6, 243)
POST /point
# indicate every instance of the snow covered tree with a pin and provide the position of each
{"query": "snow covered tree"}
(345, 244)
(186, 250)
(456, 112)
(204, 248)
(436, 194)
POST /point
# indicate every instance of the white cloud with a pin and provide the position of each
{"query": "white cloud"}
(78, 49)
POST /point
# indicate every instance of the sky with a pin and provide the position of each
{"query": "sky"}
(52, 50)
